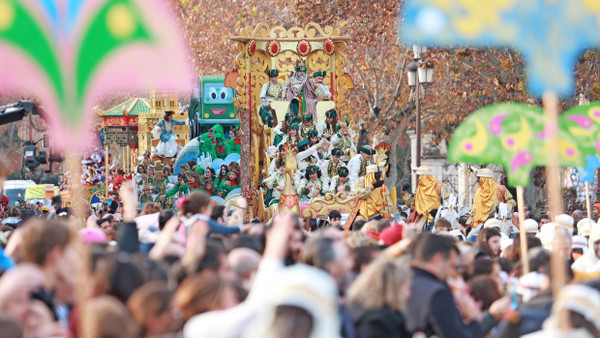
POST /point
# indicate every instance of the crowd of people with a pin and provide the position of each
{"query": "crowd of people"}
(161, 260)
(127, 271)
(152, 185)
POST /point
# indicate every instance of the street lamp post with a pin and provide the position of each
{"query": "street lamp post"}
(420, 72)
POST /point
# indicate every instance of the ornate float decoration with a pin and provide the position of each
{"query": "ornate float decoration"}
(323, 48)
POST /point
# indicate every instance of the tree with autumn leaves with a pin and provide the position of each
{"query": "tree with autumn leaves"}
(381, 107)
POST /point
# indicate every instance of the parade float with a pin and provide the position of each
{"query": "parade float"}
(262, 49)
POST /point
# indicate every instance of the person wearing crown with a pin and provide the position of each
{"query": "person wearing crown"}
(357, 166)
(487, 197)
(343, 141)
(270, 91)
(341, 182)
(168, 138)
(328, 127)
(321, 89)
(311, 186)
(299, 89)
(307, 125)
(372, 194)
(430, 192)
(330, 167)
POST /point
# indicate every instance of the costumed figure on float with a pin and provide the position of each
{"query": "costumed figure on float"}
(168, 139)
(487, 198)
(299, 89)
(270, 91)
(430, 193)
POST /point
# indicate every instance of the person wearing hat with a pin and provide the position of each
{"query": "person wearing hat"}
(307, 125)
(357, 166)
(270, 91)
(313, 137)
(306, 157)
(343, 140)
(330, 167)
(328, 127)
(299, 90)
(341, 182)
(145, 161)
(596, 211)
(565, 221)
(488, 196)
(149, 178)
(160, 183)
(293, 136)
(321, 89)
(279, 156)
(168, 139)
(372, 195)
(590, 261)
(311, 186)
(146, 195)
(427, 197)
(234, 144)
(274, 184)
(585, 227)
(282, 128)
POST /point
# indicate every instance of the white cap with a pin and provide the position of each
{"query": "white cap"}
(530, 226)
(584, 227)
(530, 285)
(485, 172)
(565, 221)
(582, 299)
(305, 287)
(423, 170)
(580, 242)
(493, 222)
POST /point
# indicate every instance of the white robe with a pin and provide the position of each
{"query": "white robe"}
(354, 168)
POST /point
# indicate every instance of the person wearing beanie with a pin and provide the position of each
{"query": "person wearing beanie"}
(596, 210)
(391, 235)
(357, 166)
